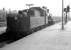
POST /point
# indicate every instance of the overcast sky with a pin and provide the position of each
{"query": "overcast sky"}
(54, 6)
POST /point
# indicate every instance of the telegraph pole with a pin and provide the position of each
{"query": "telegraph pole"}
(29, 5)
(62, 14)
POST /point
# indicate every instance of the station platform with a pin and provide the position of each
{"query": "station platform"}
(50, 38)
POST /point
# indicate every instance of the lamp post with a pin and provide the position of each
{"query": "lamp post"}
(62, 14)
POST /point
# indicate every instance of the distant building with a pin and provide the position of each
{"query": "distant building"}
(2, 15)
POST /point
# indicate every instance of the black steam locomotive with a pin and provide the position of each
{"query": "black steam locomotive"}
(25, 22)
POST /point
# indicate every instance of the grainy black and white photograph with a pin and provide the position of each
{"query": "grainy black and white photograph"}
(35, 24)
